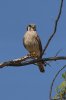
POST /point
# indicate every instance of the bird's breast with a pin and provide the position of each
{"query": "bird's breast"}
(31, 43)
(28, 39)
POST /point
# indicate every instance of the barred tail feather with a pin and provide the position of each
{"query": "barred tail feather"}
(41, 67)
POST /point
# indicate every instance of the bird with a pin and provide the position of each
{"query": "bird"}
(32, 43)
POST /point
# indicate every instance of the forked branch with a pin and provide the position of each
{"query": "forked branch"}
(55, 27)
(21, 62)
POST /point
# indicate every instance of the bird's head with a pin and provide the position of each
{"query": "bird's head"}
(31, 27)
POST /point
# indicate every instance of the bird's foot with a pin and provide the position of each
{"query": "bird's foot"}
(33, 54)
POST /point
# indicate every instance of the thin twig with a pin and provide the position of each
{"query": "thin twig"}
(55, 28)
(50, 95)
(57, 53)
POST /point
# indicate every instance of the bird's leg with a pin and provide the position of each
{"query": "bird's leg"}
(33, 54)
(44, 62)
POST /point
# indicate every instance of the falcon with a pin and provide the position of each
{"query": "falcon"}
(33, 44)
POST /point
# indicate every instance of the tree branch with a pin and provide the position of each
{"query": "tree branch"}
(15, 62)
(55, 27)
(50, 97)
(21, 62)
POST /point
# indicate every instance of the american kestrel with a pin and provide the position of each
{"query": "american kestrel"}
(33, 44)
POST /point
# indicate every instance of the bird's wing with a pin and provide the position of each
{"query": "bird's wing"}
(39, 42)
(23, 42)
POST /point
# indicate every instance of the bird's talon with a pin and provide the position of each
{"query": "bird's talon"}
(33, 54)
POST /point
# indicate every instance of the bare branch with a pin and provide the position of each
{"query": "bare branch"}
(55, 27)
(21, 62)
(15, 62)
(50, 97)
(58, 52)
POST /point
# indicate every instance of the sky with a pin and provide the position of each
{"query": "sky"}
(27, 82)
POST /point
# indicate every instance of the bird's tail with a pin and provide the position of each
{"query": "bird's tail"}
(41, 67)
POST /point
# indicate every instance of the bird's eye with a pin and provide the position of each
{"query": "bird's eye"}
(29, 25)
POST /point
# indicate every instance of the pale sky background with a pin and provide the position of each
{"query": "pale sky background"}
(27, 83)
